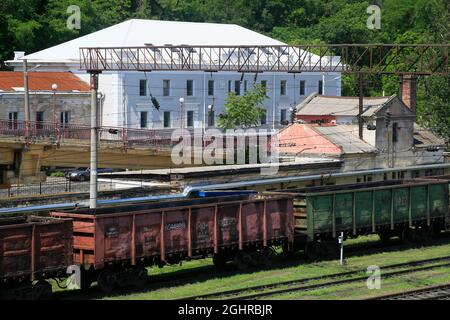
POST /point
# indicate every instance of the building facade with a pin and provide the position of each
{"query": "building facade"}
(127, 95)
(69, 103)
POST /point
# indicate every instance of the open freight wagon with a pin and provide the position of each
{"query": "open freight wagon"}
(115, 244)
(411, 209)
(32, 250)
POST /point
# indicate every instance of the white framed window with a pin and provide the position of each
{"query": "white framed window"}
(142, 87)
(189, 88)
(190, 118)
(302, 87)
(210, 87)
(283, 84)
(166, 88)
(144, 119)
(167, 119)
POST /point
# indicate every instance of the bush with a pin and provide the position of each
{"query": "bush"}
(57, 174)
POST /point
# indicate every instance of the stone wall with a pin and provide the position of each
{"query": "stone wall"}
(77, 104)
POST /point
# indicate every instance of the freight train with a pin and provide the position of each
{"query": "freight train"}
(113, 246)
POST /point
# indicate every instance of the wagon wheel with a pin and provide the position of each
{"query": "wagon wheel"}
(42, 290)
(268, 255)
(106, 281)
(242, 260)
(408, 236)
(312, 250)
(384, 237)
(426, 234)
(219, 261)
(141, 277)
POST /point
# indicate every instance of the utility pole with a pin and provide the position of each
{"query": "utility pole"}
(26, 101)
(93, 190)
(361, 101)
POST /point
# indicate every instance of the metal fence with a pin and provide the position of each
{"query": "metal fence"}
(52, 187)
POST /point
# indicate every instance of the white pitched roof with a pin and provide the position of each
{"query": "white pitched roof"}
(137, 32)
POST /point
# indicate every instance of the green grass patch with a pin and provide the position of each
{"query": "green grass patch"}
(211, 281)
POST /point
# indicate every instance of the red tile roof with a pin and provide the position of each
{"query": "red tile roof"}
(42, 81)
(302, 138)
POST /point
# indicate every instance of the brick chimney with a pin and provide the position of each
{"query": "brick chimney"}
(408, 91)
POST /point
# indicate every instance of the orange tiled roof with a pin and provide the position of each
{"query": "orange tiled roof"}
(42, 81)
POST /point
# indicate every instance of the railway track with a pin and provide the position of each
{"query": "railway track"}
(438, 292)
(307, 284)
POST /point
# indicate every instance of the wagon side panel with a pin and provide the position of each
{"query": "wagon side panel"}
(252, 221)
(202, 228)
(363, 209)
(175, 231)
(148, 234)
(227, 219)
(15, 251)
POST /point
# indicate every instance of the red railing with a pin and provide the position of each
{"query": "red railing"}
(59, 133)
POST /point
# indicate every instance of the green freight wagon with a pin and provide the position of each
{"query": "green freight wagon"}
(410, 209)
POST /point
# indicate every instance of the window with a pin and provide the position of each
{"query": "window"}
(210, 87)
(64, 118)
(229, 85)
(166, 88)
(283, 116)
(264, 85)
(394, 132)
(39, 118)
(245, 86)
(166, 119)
(320, 89)
(263, 119)
(283, 87)
(211, 118)
(190, 88)
(142, 88)
(144, 116)
(12, 116)
(302, 87)
(190, 118)
(237, 88)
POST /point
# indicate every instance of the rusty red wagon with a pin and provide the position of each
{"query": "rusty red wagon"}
(115, 244)
(32, 250)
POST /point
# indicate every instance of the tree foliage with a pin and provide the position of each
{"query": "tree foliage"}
(243, 111)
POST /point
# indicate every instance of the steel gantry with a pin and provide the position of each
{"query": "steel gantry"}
(420, 59)
(360, 59)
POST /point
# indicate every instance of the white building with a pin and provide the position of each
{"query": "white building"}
(127, 94)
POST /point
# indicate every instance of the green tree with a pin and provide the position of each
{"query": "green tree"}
(243, 111)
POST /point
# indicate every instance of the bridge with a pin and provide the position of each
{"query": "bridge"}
(26, 148)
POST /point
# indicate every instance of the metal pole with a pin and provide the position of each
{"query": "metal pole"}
(323, 84)
(341, 242)
(361, 101)
(93, 187)
(26, 101)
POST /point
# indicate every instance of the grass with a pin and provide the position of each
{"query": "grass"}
(211, 281)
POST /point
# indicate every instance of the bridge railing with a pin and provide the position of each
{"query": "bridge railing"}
(37, 131)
